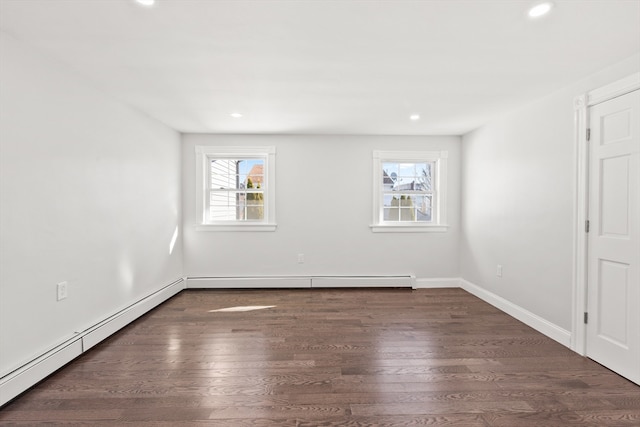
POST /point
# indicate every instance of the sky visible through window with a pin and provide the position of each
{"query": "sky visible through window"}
(246, 168)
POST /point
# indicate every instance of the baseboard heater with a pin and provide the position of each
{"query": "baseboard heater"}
(18, 381)
(289, 282)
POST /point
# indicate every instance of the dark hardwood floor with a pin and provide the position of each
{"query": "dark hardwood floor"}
(329, 358)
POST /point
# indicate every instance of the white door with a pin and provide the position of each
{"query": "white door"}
(613, 327)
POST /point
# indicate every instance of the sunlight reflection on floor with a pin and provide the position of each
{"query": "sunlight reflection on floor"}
(242, 308)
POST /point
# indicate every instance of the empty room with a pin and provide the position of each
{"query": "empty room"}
(320, 212)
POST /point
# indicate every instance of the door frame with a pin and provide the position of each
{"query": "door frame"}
(581, 106)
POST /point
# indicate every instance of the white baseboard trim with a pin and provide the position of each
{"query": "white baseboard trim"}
(248, 282)
(109, 326)
(15, 383)
(541, 325)
(18, 381)
(444, 282)
(300, 282)
(362, 281)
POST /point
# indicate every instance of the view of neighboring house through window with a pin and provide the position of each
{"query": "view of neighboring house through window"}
(236, 190)
(235, 187)
(407, 191)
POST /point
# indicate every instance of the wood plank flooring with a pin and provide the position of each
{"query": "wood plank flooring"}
(374, 357)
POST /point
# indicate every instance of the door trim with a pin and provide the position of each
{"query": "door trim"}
(581, 106)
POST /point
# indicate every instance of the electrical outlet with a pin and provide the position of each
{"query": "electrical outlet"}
(300, 258)
(62, 290)
(499, 271)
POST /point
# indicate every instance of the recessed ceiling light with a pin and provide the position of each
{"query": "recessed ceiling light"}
(414, 117)
(236, 115)
(540, 9)
(147, 3)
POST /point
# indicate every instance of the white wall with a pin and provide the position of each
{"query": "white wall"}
(518, 190)
(89, 194)
(323, 208)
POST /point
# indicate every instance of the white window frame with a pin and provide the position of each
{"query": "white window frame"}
(204, 154)
(439, 203)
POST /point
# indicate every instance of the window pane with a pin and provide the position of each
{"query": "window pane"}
(391, 214)
(407, 207)
(391, 200)
(406, 170)
(252, 173)
(424, 177)
(223, 206)
(254, 181)
(398, 208)
(237, 173)
(223, 173)
(407, 176)
(255, 206)
(423, 208)
(236, 206)
(389, 175)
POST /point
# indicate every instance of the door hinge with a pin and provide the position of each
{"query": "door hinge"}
(588, 134)
(586, 226)
(586, 317)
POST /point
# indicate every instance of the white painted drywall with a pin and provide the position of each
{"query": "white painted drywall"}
(323, 210)
(89, 194)
(518, 189)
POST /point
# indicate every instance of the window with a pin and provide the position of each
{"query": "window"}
(235, 188)
(409, 191)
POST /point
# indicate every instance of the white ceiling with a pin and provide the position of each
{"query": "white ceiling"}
(327, 66)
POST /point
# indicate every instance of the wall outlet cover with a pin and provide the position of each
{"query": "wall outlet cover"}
(61, 290)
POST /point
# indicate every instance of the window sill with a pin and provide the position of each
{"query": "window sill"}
(408, 228)
(236, 227)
